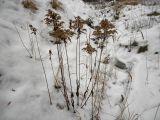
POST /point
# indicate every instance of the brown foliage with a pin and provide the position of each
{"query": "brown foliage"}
(56, 4)
(58, 31)
(78, 23)
(29, 5)
(104, 29)
(89, 49)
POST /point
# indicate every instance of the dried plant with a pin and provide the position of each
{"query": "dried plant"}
(78, 25)
(62, 36)
(56, 4)
(29, 4)
(102, 32)
(23, 44)
(34, 31)
(56, 82)
(89, 49)
(33, 50)
(53, 19)
(120, 4)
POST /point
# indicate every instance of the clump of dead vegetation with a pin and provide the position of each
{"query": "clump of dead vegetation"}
(120, 4)
(55, 4)
(61, 37)
(127, 2)
(155, 13)
(29, 4)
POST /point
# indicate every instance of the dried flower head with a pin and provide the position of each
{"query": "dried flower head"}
(78, 23)
(89, 49)
(29, 5)
(33, 29)
(62, 35)
(53, 19)
(104, 29)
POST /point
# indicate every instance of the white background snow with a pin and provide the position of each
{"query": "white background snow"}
(23, 93)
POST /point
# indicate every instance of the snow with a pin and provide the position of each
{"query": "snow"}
(23, 93)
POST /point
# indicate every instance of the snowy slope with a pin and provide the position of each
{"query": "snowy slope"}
(23, 93)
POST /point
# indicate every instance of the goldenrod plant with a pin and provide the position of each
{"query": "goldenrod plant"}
(102, 32)
(61, 35)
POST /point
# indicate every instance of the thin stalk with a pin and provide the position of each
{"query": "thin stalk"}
(92, 104)
(62, 75)
(85, 93)
(147, 71)
(72, 95)
(102, 92)
(50, 58)
(97, 76)
(92, 86)
(32, 43)
(156, 112)
(68, 67)
(159, 52)
(107, 80)
(22, 41)
(86, 71)
(147, 81)
(79, 66)
(77, 81)
(44, 71)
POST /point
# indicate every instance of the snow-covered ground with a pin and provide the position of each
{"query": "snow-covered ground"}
(23, 93)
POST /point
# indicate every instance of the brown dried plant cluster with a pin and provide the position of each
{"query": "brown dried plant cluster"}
(104, 29)
(61, 35)
(33, 29)
(58, 30)
(78, 23)
(89, 49)
(119, 4)
(55, 4)
(29, 4)
(101, 33)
